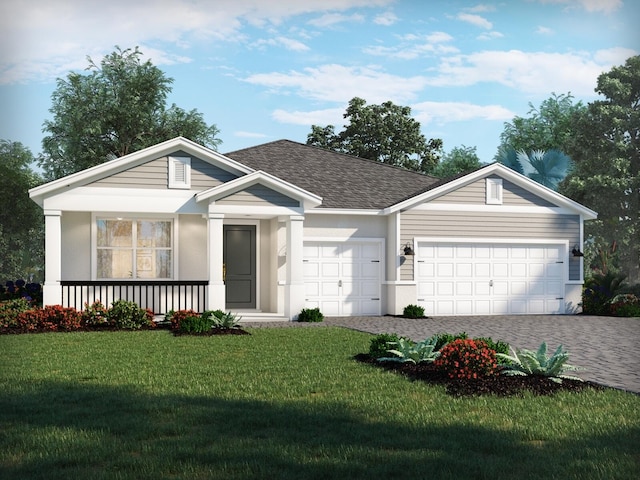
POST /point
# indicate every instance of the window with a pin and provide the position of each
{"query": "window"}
(179, 172)
(134, 248)
(494, 191)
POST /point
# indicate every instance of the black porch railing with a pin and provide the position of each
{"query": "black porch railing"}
(159, 296)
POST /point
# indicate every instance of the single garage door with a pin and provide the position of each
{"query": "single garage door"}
(343, 278)
(490, 279)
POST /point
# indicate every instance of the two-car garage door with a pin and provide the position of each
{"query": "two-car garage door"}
(489, 279)
(343, 278)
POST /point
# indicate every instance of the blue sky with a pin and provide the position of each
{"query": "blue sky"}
(264, 70)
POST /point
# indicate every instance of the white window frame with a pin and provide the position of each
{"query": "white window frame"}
(134, 218)
(494, 185)
(179, 165)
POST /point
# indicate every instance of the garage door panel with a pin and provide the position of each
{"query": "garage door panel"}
(505, 279)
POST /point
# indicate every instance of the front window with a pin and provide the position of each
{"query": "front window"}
(134, 248)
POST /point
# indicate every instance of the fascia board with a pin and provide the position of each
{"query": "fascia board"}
(133, 159)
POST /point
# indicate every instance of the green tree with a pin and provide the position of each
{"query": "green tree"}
(459, 160)
(547, 168)
(21, 221)
(116, 109)
(386, 133)
(549, 127)
(606, 151)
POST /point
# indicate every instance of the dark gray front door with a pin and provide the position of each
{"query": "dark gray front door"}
(240, 266)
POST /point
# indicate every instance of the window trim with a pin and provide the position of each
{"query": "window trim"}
(182, 162)
(491, 184)
(134, 217)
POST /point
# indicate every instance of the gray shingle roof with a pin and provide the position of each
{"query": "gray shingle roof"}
(343, 181)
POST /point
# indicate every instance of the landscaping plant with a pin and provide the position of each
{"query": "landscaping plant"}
(413, 311)
(526, 362)
(310, 315)
(381, 343)
(224, 320)
(465, 358)
(128, 315)
(404, 350)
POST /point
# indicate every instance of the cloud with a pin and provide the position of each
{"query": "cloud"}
(288, 43)
(414, 46)
(338, 83)
(489, 35)
(386, 19)
(529, 72)
(241, 134)
(544, 30)
(331, 19)
(446, 112)
(591, 6)
(476, 20)
(329, 116)
(481, 8)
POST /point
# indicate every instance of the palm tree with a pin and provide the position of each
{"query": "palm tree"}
(547, 168)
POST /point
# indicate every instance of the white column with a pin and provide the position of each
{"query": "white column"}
(216, 292)
(51, 289)
(294, 286)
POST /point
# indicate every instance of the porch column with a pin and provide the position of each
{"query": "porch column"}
(216, 292)
(294, 286)
(51, 289)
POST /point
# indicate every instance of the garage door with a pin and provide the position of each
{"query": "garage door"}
(490, 279)
(343, 278)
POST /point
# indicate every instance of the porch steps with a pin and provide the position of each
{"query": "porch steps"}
(254, 316)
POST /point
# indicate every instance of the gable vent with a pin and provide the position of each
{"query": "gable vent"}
(179, 172)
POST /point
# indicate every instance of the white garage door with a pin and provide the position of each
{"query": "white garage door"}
(343, 278)
(490, 279)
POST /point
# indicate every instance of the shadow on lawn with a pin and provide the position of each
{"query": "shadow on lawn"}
(67, 430)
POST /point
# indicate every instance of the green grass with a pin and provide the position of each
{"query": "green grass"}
(281, 404)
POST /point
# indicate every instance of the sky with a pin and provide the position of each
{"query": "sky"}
(265, 70)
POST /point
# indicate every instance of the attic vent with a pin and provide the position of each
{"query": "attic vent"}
(494, 191)
(179, 172)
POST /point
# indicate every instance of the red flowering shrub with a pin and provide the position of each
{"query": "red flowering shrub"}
(466, 358)
(177, 317)
(49, 318)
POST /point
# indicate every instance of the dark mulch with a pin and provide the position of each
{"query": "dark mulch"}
(498, 385)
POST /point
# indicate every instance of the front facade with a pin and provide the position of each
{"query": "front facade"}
(269, 230)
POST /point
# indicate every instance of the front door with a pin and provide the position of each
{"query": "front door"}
(240, 266)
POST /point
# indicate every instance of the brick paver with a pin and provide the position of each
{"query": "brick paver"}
(606, 347)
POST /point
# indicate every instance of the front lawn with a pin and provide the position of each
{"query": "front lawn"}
(282, 403)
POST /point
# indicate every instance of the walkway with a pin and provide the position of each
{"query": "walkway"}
(608, 348)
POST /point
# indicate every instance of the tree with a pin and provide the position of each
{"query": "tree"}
(547, 168)
(117, 109)
(21, 224)
(549, 127)
(385, 133)
(606, 152)
(459, 160)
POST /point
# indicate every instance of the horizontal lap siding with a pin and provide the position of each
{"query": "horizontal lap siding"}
(475, 194)
(258, 195)
(416, 223)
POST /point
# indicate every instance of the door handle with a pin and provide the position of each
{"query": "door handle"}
(339, 283)
(224, 272)
(491, 283)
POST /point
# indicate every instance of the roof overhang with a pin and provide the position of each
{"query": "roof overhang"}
(506, 173)
(307, 199)
(38, 194)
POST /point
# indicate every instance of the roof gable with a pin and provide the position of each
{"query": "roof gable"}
(136, 159)
(445, 187)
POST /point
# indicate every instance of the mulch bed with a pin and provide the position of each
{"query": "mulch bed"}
(213, 332)
(498, 385)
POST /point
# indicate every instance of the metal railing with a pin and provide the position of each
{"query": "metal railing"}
(160, 296)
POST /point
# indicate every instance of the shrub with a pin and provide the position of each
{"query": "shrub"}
(176, 318)
(225, 320)
(379, 345)
(413, 311)
(9, 311)
(444, 338)
(625, 305)
(49, 318)
(195, 324)
(95, 314)
(598, 292)
(407, 351)
(11, 290)
(310, 315)
(128, 315)
(526, 362)
(469, 359)
(499, 347)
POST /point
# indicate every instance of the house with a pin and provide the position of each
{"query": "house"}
(275, 228)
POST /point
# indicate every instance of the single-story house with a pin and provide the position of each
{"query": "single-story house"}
(269, 230)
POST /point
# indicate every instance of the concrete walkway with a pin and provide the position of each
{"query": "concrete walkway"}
(608, 348)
